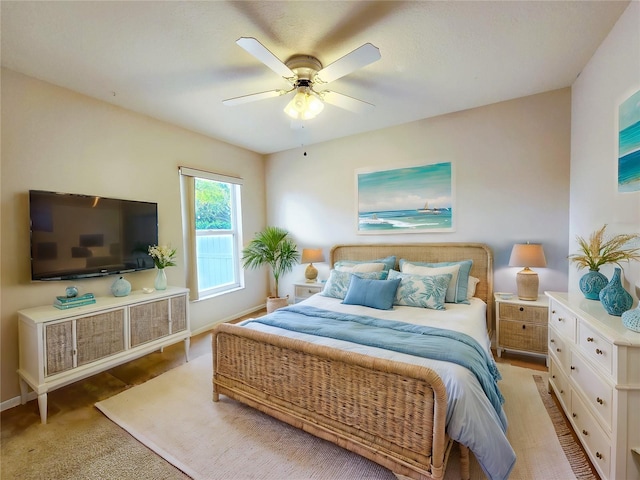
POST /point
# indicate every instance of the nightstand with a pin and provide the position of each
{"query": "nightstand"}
(304, 290)
(521, 325)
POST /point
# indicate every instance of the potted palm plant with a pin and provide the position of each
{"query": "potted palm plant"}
(274, 247)
(598, 251)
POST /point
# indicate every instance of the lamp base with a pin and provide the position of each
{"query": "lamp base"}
(311, 273)
(527, 282)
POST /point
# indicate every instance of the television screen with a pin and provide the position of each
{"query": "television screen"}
(77, 236)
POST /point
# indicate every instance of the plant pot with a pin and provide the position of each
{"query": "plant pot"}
(591, 283)
(614, 298)
(274, 303)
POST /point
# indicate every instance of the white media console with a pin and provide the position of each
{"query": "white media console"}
(59, 347)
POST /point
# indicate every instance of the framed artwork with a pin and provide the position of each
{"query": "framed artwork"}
(414, 199)
(629, 144)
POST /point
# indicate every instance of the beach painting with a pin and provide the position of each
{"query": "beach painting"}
(629, 145)
(413, 199)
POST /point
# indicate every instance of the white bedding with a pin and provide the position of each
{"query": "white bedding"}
(471, 419)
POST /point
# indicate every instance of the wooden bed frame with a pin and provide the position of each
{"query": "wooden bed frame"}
(390, 412)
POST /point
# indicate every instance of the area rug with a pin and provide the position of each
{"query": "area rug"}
(174, 415)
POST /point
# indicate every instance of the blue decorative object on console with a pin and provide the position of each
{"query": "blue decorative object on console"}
(121, 287)
(614, 298)
(631, 319)
(161, 280)
(591, 283)
(71, 291)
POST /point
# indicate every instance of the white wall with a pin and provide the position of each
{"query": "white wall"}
(55, 139)
(610, 77)
(511, 163)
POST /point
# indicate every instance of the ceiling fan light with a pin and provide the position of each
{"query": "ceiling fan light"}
(314, 104)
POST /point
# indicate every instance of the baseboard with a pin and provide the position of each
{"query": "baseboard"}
(14, 402)
(244, 313)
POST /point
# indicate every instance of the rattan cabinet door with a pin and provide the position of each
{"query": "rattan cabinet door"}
(149, 321)
(59, 345)
(99, 336)
(178, 314)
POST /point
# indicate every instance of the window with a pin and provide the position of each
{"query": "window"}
(211, 208)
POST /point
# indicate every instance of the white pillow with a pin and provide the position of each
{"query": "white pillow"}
(471, 288)
(453, 270)
(361, 267)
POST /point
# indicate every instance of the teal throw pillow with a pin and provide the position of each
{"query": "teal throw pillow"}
(378, 294)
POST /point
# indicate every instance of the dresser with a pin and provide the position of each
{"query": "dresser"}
(521, 325)
(594, 370)
(58, 347)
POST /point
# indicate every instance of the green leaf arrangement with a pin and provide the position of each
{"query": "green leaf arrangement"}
(599, 251)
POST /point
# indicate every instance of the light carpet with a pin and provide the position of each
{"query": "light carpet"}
(174, 415)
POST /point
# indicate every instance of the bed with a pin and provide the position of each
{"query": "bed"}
(399, 410)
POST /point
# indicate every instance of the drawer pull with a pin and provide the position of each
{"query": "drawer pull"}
(584, 432)
(553, 311)
(558, 350)
(561, 392)
(522, 309)
(574, 415)
(589, 339)
(553, 376)
(572, 367)
(599, 352)
(560, 319)
(599, 400)
(552, 341)
(524, 327)
(599, 455)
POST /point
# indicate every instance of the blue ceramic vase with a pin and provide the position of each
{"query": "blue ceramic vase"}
(614, 298)
(631, 319)
(121, 288)
(591, 283)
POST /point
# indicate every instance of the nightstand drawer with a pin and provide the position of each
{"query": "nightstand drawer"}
(303, 291)
(523, 336)
(523, 313)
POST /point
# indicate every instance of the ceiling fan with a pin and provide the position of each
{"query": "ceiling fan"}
(306, 76)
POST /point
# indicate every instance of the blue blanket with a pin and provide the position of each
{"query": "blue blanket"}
(417, 340)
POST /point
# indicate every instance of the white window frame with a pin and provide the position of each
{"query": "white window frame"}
(187, 185)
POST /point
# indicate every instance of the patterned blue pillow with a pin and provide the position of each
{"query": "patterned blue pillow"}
(378, 294)
(338, 282)
(389, 262)
(463, 275)
(421, 290)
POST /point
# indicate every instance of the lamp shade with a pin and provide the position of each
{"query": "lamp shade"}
(310, 255)
(527, 255)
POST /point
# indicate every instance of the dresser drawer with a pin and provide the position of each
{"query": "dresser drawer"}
(598, 393)
(523, 313)
(563, 321)
(523, 336)
(560, 384)
(594, 439)
(558, 348)
(595, 347)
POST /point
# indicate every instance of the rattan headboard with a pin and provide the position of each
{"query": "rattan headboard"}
(480, 253)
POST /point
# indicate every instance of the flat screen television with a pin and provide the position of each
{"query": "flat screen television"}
(78, 236)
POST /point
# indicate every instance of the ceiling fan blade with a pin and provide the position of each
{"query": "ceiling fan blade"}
(230, 102)
(255, 48)
(346, 102)
(360, 57)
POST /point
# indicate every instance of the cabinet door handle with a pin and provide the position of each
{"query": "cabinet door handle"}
(589, 339)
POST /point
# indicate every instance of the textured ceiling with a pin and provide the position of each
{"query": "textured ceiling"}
(176, 61)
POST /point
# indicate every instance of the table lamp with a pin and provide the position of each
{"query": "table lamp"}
(310, 255)
(527, 255)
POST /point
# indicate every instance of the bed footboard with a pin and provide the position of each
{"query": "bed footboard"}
(389, 412)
